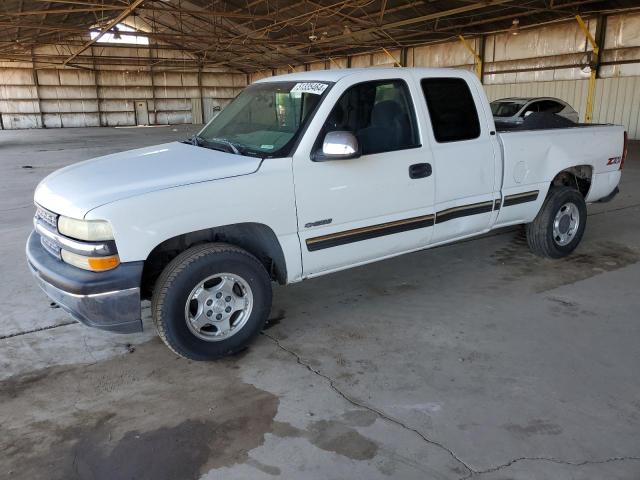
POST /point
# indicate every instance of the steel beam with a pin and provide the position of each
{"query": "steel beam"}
(408, 21)
(420, 19)
(36, 84)
(124, 14)
(105, 8)
(58, 11)
(601, 31)
(591, 91)
(209, 13)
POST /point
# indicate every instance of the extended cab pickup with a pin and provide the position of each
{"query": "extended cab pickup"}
(303, 175)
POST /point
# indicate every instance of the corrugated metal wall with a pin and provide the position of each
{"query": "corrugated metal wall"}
(82, 98)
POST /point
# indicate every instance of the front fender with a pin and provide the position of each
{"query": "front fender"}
(142, 222)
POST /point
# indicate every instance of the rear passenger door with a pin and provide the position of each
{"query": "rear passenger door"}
(466, 156)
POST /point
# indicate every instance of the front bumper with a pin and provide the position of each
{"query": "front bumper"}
(106, 300)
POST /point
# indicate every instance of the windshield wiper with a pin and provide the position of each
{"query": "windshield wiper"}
(226, 142)
(198, 141)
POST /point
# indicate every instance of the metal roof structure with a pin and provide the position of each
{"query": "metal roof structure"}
(253, 35)
(372, 72)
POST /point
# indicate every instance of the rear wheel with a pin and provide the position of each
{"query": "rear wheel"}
(558, 228)
(211, 301)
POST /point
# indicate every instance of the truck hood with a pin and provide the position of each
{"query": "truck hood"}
(78, 188)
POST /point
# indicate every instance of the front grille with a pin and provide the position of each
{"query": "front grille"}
(47, 217)
(50, 246)
(48, 220)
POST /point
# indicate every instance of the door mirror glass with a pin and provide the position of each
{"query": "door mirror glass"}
(527, 113)
(338, 145)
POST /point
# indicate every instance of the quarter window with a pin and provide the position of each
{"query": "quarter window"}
(452, 110)
(379, 114)
(549, 106)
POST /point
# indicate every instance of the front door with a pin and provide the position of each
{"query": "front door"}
(380, 204)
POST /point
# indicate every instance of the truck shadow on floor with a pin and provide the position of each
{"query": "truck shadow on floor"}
(142, 415)
(151, 415)
(518, 263)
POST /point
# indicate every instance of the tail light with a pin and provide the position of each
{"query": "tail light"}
(625, 149)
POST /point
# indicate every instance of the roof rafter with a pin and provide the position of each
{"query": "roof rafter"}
(249, 34)
(125, 13)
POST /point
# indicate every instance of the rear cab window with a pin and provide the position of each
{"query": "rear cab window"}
(452, 109)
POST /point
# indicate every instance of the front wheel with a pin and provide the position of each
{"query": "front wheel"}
(558, 228)
(211, 301)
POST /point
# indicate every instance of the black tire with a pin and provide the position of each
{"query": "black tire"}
(540, 235)
(183, 274)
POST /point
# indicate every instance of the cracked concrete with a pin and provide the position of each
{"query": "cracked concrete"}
(573, 471)
(41, 329)
(360, 404)
(475, 360)
(471, 472)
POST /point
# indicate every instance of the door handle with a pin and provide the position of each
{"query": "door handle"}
(420, 170)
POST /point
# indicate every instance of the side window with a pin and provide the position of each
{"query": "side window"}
(380, 114)
(532, 107)
(551, 106)
(452, 110)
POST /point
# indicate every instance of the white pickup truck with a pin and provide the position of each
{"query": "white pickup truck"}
(300, 176)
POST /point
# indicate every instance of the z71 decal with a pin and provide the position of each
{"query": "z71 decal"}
(614, 160)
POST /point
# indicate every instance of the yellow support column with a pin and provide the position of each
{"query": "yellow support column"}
(395, 60)
(476, 57)
(588, 116)
(334, 62)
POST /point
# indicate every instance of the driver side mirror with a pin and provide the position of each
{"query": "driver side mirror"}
(338, 145)
(527, 113)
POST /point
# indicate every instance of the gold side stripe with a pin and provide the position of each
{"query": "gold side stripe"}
(372, 228)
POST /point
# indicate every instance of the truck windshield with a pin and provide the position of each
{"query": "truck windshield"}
(505, 109)
(265, 119)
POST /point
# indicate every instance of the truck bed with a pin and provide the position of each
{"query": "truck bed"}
(542, 121)
(532, 157)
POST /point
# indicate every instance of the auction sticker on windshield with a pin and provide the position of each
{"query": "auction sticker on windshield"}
(309, 87)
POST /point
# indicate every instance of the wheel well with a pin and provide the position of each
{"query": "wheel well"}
(578, 177)
(256, 238)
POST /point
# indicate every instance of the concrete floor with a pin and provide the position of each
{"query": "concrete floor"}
(472, 360)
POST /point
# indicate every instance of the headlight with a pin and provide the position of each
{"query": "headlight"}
(95, 264)
(90, 230)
